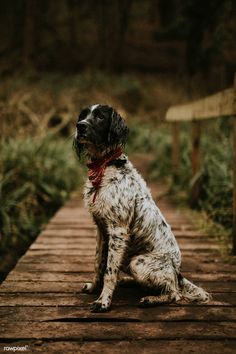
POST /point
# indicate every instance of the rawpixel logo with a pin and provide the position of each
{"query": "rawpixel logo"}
(16, 349)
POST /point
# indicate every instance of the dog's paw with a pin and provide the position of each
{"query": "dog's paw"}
(145, 302)
(98, 306)
(151, 301)
(90, 288)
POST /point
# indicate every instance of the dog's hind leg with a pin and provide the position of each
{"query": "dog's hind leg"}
(156, 272)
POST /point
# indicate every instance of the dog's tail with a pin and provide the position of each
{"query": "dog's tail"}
(192, 292)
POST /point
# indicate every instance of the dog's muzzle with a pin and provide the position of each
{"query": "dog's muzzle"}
(82, 129)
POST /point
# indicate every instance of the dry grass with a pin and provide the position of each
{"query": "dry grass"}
(33, 104)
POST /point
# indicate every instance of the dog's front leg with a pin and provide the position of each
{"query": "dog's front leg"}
(118, 238)
(100, 262)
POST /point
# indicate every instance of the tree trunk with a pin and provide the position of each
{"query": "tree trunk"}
(114, 17)
(29, 33)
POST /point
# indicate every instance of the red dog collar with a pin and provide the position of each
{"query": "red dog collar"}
(97, 169)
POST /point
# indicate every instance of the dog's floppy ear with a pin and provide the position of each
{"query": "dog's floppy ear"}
(118, 131)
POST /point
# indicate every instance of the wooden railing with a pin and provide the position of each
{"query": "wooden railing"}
(221, 104)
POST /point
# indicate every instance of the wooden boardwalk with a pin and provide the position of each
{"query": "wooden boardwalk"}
(42, 309)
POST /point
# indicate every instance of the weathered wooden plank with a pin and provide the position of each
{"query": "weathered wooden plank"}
(70, 221)
(197, 257)
(127, 298)
(77, 276)
(183, 227)
(91, 239)
(211, 276)
(188, 265)
(65, 246)
(196, 266)
(65, 226)
(62, 236)
(75, 286)
(234, 172)
(65, 258)
(84, 232)
(121, 313)
(41, 287)
(118, 331)
(175, 150)
(79, 214)
(91, 245)
(139, 347)
(83, 267)
(45, 299)
(195, 160)
(59, 252)
(217, 105)
(185, 250)
(72, 212)
(192, 234)
(55, 240)
(49, 276)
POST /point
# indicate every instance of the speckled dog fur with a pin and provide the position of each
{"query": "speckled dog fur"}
(133, 236)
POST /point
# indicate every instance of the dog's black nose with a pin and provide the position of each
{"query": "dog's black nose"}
(82, 128)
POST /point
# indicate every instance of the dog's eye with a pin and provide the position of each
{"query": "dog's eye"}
(100, 116)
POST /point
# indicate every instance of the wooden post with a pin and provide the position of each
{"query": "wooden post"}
(234, 174)
(234, 189)
(175, 151)
(196, 134)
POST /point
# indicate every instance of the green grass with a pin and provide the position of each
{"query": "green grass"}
(36, 177)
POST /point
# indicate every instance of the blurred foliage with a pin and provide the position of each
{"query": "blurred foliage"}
(208, 31)
(31, 103)
(216, 195)
(36, 177)
(184, 37)
(216, 172)
(207, 27)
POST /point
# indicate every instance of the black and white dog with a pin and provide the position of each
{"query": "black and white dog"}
(132, 234)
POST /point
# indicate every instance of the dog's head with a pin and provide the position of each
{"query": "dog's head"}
(99, 129)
